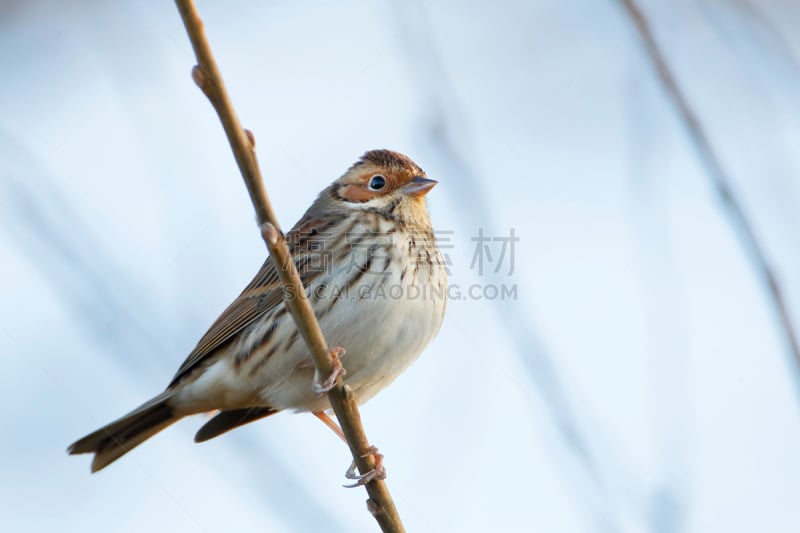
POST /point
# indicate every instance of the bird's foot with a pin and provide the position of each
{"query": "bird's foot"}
(338, 370)
(378, 472)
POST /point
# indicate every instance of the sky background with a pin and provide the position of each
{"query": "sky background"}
(638, 382)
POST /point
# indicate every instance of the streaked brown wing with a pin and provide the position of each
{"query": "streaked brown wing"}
(259, 297)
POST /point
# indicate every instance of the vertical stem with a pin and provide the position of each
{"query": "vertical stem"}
(207, 76)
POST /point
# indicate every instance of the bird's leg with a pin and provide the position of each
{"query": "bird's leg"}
(331, 424)
(338, 370)
(378, 472)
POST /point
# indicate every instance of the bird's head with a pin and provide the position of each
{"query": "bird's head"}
(382, 181)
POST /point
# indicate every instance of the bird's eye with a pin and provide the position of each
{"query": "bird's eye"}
(377, 182)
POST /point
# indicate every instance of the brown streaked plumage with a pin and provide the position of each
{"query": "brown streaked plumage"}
(367, 235)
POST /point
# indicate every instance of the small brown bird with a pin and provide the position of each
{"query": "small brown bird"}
(366, 253)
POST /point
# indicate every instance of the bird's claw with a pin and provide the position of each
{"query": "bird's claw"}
(338, 370)
(378, 472)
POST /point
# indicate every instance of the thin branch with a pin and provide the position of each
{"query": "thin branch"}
(719, 178)
(341, 396)
(208, 78)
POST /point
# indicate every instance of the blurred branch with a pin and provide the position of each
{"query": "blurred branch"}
(754, 12)
(719, 178)
(592, 453)
(208, 78)
(98, 288)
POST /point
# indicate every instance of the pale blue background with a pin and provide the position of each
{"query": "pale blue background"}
(640, 382)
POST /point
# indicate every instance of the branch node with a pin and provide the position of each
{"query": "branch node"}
(270, 233)
(199, 77)
(374, 507)
(250, 137)
(349, 396)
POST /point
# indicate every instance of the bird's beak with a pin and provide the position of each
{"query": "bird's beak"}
(419, 186)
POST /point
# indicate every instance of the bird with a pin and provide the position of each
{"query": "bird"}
(376, 279)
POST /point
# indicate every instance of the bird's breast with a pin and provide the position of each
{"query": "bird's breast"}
(383, 305)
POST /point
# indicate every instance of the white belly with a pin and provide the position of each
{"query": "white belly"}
(383, 325)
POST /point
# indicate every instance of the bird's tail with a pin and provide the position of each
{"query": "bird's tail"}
(111, 442)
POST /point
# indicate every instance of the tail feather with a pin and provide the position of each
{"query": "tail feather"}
(111, 442)
(228, 420)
